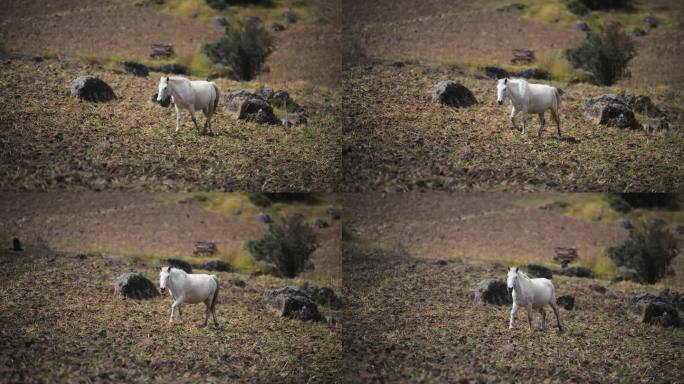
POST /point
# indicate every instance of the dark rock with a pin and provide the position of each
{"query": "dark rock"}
(292, 302)
(277, 27)
(656, 124)
(37, 59)
(651, 21)
(204, 248)
(135, 286)
(453, 94)
(319, 223)
(136, 68)
(496, 73)
(238, 283)
(610, 110)
(219, 21)
(264, 218)
(534, 73)
(217, 265)
(91, 88)
(598, 288)
(653, 309)
(180, 264)
(176, 69)
(576, 272)
(290, 17)
(643, 104)
(638, 32)
(16, 245)
(333, 213)
(566, 301)
(249, 105)
(294, 119)
(535, 270)
(673, 297)
(624, 223)
(493, 291)
(441, 262)
(582, 26)
(282, 99)
(322, 296)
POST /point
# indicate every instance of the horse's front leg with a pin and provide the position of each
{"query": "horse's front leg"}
(541, 125)
(178, 115)
(529, 315)
(513, 113)
(525, 117)
(176, 304)
(194, 120)
(542, 312)
(555, 311)
(514, 309)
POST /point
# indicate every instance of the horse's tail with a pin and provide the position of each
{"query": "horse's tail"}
(557, 97)
(218, 96)
(213, 301)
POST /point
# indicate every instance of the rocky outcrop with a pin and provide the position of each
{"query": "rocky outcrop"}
(653, 309)
(493, 291)
(293, 303)
(91, 88)
(453, 94)
(250, 105)
(136, 286)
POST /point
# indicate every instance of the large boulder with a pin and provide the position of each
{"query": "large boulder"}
(282, 99)
(674, 297)
(496, 73)
(535, 270)
(136, 68)
(566, 301)
(180, 264)
(576, 272)
(249, 105)
(610, 110)
(292, 302)
(323, 296)
(453, 94)
(653, 309)
(643, 104)
(91, 88)
(493, 291)
(176, 69)
(136, 286)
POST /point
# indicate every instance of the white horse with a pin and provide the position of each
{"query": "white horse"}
(190, 288)
(530, 98)
(190, 95)
(531, 294)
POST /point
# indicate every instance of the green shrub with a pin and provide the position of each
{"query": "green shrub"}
(605, 55)
(260, 199)
(223, 4)
(287, 246)
(618, 203)
(577, 7)
(648, 252)
(241, 51)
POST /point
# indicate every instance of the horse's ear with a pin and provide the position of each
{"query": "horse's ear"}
(516, 269)
(505, 82)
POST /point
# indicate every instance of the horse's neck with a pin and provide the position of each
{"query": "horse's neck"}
(177, 279)
(524, 284)
(517, 89)
(179, 88)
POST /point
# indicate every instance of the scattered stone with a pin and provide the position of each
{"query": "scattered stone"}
(453, 94)
(566, 301)
(91, 88)
(610, 110)
(535, 270)
(219, 21)
(294, 119)
(293, 303)
(176, 69)
(624, 223)
(217, 265)
(496, 73)
(522, 56)
(653, 309)
(249, 105)
(320, 223)
(264, 218)
(534, 73)
(651, 21)
(290, 17)
(238, 283)
(16, 245)
(582, 26)
(136, 68)
(136, 286)
(180, 264)
(656, 124)
(204, 248)
(598, 288)
(576, 272)
(333, 213)
(322, 296)
(277, 27)
(638, 32)
(161, 51)
(441, 262)
(493, 291)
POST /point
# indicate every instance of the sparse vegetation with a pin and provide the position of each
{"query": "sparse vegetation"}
(287, 246)
(242, 51)
(648, 251)
(577, 7)
(604, 56)
(223, 4)
(618, 203)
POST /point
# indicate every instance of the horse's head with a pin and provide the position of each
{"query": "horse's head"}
(163, 93)
(501, 90)
(164, 277)
(512, 278)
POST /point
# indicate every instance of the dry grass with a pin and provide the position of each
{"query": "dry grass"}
(396, 139)
(51, 141)
(409, 320)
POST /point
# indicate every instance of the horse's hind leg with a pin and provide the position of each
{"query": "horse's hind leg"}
(555, 311)
(543, 318)
(206, 315)
(529, 316)
(541, 125)
(194, 120)
(556, 118)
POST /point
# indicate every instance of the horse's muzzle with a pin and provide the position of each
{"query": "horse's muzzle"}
(162, 290)
(500, 102)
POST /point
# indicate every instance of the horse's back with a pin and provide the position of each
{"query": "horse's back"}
(204, 93)
(541, 97)
(200, 287)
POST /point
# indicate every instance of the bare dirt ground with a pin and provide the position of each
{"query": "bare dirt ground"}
(62, 322)
(410, 320)
(494, 226)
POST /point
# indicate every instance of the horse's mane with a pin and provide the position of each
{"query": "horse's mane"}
(523, 274)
